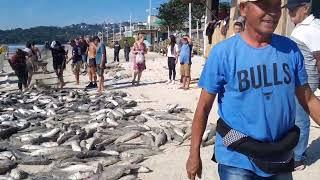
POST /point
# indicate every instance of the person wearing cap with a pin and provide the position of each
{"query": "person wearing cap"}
(59, 57)
(256, 76)
(307, 35)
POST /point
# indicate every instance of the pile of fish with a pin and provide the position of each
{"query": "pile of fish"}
(116, 72)
(80, 135)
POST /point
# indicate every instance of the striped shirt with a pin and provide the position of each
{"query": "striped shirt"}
(307, 37)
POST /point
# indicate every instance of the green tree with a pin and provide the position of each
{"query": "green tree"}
(175, 13)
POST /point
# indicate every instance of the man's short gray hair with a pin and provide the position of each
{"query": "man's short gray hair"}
(309, 5)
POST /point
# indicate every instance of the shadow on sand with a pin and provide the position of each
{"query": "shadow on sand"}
(313, 152)
(128, 84)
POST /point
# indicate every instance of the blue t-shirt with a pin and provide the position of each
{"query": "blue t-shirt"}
(256, 91)
(185, 54)
(101, 50)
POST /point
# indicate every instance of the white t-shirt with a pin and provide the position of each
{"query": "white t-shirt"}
(308, 32)
(307, 36)
(173, 54)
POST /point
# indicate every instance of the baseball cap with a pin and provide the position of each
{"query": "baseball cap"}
(244, 1)
(295, 3)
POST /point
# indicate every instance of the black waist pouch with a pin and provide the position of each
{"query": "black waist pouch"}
(270, 157)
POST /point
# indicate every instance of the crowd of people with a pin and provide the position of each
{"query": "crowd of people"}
(180, 52)
(25, 62)
(88, 57)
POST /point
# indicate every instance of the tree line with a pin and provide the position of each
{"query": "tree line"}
(41, 34)
(175, 13)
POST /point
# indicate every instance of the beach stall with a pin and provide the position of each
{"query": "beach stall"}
(150, 36)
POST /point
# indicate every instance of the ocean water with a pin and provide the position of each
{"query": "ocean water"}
(13, 48)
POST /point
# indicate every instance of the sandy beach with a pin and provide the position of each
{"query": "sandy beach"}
(156, 94)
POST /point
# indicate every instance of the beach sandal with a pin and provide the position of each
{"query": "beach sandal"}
(299, 166)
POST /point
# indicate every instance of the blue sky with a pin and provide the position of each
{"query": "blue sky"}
(30, 13)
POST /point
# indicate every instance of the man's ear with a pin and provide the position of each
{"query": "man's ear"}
(243, 9)
(307, 9)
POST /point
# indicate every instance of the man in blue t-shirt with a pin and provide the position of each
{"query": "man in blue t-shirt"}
(101, 60)
(184, 57)
(256, 75)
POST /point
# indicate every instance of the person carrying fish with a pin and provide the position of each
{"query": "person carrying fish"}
(31, 65)
(256, 75)
(18, 63)
(59, 56)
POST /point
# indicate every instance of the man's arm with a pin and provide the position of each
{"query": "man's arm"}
(72, 56)
(194, 164)
(104, 58)
(200, 120)
(309, 102)
(190, 41)
(39, 53)
(316, 55)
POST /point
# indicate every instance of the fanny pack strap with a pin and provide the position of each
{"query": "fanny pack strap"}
(271, 157)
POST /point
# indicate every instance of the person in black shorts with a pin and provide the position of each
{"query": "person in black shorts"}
(92, 62)
(84, 53)
(59, 60)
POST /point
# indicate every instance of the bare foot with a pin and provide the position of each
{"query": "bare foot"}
(62, 84)
(182, 87)
(100, 92)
